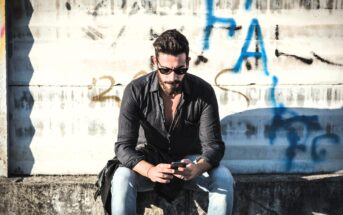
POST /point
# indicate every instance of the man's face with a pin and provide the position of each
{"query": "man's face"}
(171, 83)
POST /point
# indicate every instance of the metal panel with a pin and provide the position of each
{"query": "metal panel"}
(281, 111)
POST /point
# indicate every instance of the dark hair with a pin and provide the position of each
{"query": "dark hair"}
(171, 42)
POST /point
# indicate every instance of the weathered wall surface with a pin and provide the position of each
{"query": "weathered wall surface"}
(3, 94)
(276, 67)
(269, 195)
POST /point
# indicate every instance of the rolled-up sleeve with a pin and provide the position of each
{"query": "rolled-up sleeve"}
(210, 132)
(128, 129)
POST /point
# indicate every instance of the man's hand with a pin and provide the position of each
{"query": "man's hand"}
(161, 173)
(189, 172)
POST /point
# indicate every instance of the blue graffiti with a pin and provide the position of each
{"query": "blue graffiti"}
(283, 119)
(310, 123)
(319, 156)
(254, 27)
(247, 4)
(211, 20)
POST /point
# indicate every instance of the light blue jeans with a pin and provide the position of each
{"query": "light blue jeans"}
(218, 182)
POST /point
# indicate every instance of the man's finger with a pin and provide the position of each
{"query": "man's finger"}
(165, 176)
(165, 165)
(179, 176)
(170, 171)
(163, 181)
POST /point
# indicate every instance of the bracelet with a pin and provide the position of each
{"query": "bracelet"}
(147, 172)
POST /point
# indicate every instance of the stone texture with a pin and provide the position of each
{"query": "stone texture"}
(254, 194)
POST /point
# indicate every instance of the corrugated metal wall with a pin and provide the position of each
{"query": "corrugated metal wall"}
(276, 66)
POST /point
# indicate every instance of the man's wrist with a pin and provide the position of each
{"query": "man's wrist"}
(200, 170)
(203, 166)
(147, 172)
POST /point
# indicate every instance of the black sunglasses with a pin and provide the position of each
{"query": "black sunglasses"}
(166, 71)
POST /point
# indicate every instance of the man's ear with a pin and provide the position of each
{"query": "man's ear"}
(153, 59)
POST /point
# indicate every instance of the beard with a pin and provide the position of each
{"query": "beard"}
(171, 87)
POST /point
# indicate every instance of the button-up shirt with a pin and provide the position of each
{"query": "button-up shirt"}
(195, 128)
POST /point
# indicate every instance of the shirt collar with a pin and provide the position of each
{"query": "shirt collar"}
(155, 84)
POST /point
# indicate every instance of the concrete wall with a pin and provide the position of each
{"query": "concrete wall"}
(3, 93)
(69, 61)
(267, 195)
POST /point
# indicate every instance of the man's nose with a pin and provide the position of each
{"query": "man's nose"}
(172, 76)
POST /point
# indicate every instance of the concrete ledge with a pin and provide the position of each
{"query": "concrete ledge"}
(254, 194)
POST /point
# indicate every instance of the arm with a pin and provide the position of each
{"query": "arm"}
(210, 132)
(128, 129)
(127, 141)
(210, 137)
(161, 173)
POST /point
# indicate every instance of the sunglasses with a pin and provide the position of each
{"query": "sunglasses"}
(166, 71)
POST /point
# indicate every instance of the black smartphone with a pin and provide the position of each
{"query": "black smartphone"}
(175, 165)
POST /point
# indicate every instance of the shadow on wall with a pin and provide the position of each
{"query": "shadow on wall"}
(313, 136)
(20, 100)
(289, 194)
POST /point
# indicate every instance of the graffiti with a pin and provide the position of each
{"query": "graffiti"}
(229, 90)
(308, 61)
(326, 61)
(248, 4)
(283, 119)
(291, 126)
(103, 95)
(250, 130)
(93, 33)
(200, 59)
(319, 156)
(135, 8)
(118, 36)
(302, 59)
(153, 35)
(68, 6)
(254, 27)
(237, 28)
(97, 7)
(139, 74)
(245, 54)
(211, 20)
(277, 32)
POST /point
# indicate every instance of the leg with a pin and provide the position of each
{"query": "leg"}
(220, 191)
(219, 183)
(125, 185)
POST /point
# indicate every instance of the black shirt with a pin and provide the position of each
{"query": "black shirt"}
(195, 128)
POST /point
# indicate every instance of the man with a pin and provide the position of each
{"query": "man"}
(179, 116)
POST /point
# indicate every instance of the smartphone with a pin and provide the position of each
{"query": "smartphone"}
(175, 165)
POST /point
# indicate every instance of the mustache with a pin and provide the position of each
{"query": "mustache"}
(173, 82)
